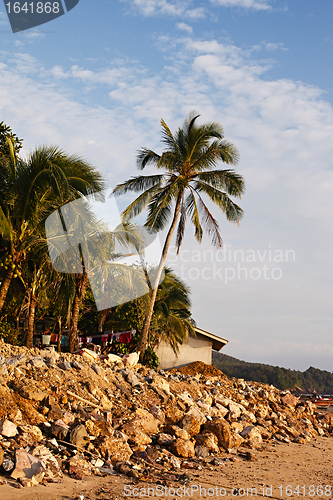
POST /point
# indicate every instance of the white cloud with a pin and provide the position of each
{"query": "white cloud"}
(185, 27)
(165, 8)
(246, 4)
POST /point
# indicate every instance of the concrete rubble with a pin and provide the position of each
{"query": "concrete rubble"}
(82, 415)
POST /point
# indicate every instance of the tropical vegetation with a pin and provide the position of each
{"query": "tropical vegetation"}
(31, 288)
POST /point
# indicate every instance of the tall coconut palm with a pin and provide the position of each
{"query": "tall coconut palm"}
(190, 170)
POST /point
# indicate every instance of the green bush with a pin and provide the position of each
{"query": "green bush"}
(8, 333)
(150, 358)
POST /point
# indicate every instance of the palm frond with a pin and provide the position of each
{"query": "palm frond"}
(232, 211)
(181, 226)
(146, 157)
(192, 208)
(228, 180)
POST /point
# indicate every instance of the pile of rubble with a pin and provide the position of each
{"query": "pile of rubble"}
(82, 414)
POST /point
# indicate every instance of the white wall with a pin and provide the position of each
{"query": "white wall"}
(198, 348)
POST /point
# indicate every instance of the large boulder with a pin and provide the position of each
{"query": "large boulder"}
(191, 424)
(136, 435)
(252, 436)
(209, 440)
(145, 421)
(115, 449)
(181, 448)
(222, 430)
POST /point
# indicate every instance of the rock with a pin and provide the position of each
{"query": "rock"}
(158, 413)
(201, 451)
(16, 360)
(49, 354)
(3, 372)
(146, 421)
(173, 415)
(183, 448)
(8, 464)
(222, 410)
(175, 462)
(289, 399)
(115, 449)
(135, 435)
(37, 362)
(55, 413)
(133, 380)
(31, 392)
(197, 414)
(253, 436)
(59, 429)
(7, 428)
(79, 467)
(222, 430)
(2, 454)
(97, 369)
(77, 365)
(181, 433)
(234, 411)
(164, 439)
(33, 431)
(79, 436)
(191, 424)
(265, 434)
(208, 440)
(65, 365)
(28, 466)
(52, 466)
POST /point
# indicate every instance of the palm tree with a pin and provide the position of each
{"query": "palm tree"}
(190, 170)
(32, 189)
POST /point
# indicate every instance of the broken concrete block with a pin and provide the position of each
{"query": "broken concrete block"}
(28, 466)
(7, 428)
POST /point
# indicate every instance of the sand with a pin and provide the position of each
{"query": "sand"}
(281, 471)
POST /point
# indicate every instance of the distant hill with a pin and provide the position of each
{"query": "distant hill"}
(311, 380)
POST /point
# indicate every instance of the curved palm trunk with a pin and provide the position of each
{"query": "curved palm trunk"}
(142, 345)
(101, 320)
(5, 286)
(81, 287)
(31, 321)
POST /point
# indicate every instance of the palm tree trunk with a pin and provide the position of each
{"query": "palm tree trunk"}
(31, 321)
(101, 320)
(142, 345)
(5, 286)
(59, 334)
(79, 295)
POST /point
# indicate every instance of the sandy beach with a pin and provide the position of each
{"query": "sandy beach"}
(278, 471)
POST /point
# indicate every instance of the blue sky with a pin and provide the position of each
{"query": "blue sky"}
(97, 80)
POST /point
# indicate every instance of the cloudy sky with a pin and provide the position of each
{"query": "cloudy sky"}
(97, 81)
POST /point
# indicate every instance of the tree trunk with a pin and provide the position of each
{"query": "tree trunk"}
(81, 287)
(5, 286)
(59, 334)
(142, 345)
(101, 320)
(31, 321)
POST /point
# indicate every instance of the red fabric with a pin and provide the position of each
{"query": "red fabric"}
(125, 338)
